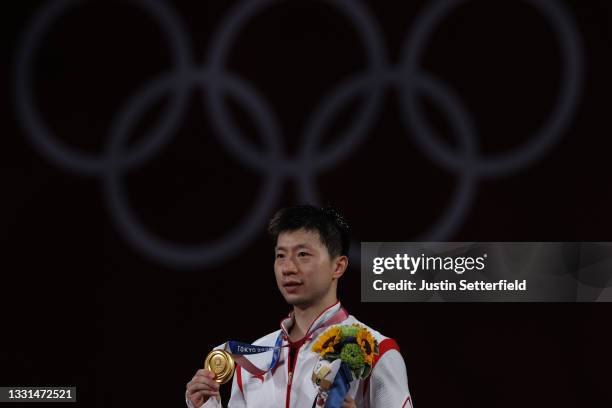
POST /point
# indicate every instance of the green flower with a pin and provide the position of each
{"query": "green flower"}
(351, 355)
(349, 331)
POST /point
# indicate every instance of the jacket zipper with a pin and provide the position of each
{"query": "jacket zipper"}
(290, 380)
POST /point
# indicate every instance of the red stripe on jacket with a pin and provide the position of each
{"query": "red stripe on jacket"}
(383, 347)
(239, 378)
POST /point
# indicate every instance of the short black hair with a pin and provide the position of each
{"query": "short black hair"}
(332, 227)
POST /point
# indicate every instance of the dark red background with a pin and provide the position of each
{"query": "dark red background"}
(81, 307)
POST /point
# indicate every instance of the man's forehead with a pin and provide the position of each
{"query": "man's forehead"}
(301, 237)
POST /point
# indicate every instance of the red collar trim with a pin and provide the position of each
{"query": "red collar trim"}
(308, 334)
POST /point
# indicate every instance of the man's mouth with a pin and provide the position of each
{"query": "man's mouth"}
(292, 286)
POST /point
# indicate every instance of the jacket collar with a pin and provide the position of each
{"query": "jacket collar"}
(330, 316)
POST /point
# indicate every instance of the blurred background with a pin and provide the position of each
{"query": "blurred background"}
(146, 144)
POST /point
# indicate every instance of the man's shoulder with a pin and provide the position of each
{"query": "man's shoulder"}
(385, 344)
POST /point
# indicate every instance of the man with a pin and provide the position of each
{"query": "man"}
(310, 257)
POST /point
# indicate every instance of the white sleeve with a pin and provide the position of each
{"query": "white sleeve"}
(211, 403)
(236, 398)
(389, 382)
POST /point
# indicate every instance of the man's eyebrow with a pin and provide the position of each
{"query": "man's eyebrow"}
(282, 248)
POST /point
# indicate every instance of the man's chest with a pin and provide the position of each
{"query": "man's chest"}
(289, 384)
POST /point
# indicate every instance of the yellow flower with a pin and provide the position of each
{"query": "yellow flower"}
(367, 344)
(326, 341)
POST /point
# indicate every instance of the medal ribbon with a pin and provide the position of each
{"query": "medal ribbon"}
(255, 359)
(340, 387)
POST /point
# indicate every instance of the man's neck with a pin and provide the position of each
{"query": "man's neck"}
(304, 317)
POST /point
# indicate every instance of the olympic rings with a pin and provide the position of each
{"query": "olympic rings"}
(215, 81)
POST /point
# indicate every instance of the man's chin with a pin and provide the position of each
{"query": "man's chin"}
(296, 300)
(293, 300)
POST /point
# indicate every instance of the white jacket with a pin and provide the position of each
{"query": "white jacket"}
(386, 387)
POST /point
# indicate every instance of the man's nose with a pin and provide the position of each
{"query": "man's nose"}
(289, 267)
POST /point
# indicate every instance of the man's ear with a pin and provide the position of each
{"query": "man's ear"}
(340, 265)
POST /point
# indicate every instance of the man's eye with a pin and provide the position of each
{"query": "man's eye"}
(280, 255)
(303, 253)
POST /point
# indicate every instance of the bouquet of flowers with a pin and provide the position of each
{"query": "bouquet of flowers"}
(346, 354)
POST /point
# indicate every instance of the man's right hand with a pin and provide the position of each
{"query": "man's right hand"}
(201, 387)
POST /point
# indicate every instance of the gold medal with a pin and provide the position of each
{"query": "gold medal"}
(221, 364)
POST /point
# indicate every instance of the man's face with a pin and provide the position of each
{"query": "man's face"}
(303, 268)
